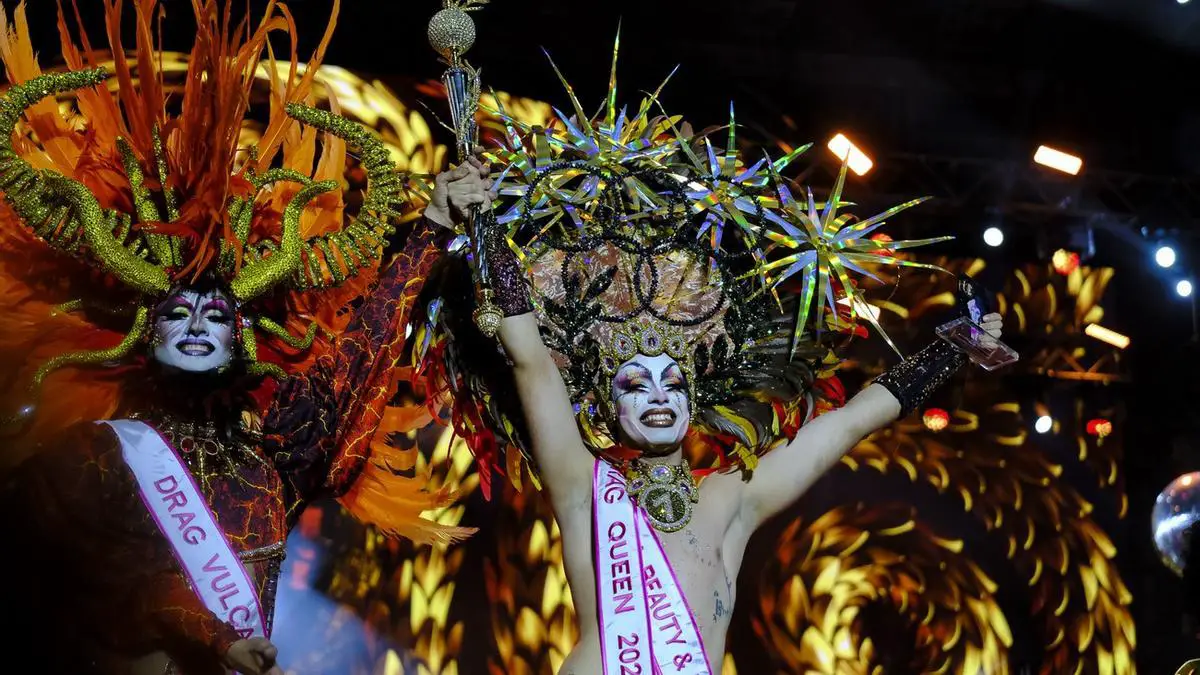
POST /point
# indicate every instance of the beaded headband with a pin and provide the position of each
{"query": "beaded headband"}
(646, 337)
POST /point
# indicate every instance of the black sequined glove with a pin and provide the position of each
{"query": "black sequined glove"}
(914, 380)
(506, 278)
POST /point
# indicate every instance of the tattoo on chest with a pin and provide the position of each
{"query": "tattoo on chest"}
(720, 610)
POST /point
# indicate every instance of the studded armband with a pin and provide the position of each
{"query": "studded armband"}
(914, 380)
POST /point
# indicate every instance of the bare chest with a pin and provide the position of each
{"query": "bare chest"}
(707, 579)
(701, 563)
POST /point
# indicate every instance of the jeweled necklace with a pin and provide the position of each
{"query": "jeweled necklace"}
(667, 493)
(200, 445)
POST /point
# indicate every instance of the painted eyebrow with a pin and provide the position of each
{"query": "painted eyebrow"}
(668, 369)
(177, 302)
(216, 303)
(643, 369)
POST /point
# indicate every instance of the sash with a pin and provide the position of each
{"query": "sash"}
(646, 626)
(173, 499)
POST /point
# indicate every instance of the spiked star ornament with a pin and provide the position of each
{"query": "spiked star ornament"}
(826, 246)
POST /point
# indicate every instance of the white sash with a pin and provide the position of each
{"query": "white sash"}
(172, 497)
(646, 626)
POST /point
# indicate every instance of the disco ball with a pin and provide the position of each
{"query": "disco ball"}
(1176, 512)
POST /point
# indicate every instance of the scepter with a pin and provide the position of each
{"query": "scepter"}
(451, 34)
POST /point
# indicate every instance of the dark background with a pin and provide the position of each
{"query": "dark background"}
(944, 95)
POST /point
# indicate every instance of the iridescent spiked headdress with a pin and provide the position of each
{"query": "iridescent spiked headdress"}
(121, 200)
(627, 221)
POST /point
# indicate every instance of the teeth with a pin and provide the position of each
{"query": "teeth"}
(196, 350)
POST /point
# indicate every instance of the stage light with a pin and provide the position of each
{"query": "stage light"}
(1044, 424)
(849, 153)
(1182, 2)
(936, 419)
(993, 236)
(1164, 256)
(1064, 261)
(1184, 288)
(1100, 428)
(1103, 334)
(1057, 160)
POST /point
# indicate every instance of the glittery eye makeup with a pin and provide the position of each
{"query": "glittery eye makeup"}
(632, 378)
(176, 308)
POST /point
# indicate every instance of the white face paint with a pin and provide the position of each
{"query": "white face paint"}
(651, 399)
(194, 331)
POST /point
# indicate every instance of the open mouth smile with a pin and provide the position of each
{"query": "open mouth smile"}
(192, 347)
(658, 418)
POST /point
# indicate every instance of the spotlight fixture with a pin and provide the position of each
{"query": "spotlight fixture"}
(849, 153)
(993, 236)
(1044, 424)
(1103, 334)
(1184, 288)
(1164, 256)
(1058, 160)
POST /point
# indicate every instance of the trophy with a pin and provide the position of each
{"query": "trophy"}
(451, 34)
(968, 336)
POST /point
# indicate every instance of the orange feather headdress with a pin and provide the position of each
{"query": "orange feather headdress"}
(144, 185)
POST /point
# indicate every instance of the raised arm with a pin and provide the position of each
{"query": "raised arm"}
(554, 436)
(320, 427)
(787, 472)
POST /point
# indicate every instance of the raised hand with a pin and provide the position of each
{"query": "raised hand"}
(992, 324)
(459, 190)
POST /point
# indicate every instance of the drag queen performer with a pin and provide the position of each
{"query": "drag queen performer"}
(195, 342)
(657, 266)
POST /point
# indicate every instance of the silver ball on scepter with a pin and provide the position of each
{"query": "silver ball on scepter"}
(452, 30)
(451, 34)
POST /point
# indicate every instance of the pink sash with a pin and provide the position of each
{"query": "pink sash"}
(173, 499)
(646, 626)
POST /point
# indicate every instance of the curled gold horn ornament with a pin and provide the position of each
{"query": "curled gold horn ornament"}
(63, 211)
(360, 242)
(302, 342)
(141, 324)
(98, 226)
(260, 276)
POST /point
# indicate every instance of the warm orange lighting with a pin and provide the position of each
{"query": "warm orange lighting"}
(849, 153)
(1057, 160)
(1103, 334)
(1065, 261)
(936, 419)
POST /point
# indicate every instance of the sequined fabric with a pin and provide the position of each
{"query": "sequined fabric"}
(507, 279)
(103, 582)
(915, 379)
